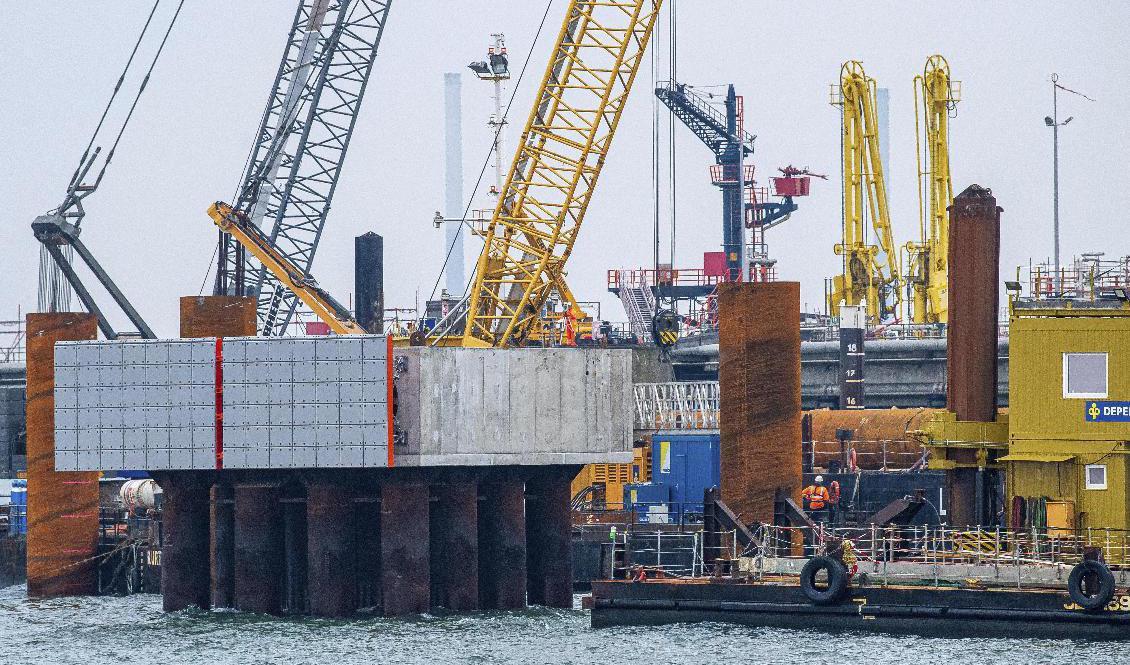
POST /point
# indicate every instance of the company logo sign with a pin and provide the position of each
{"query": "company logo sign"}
(1107, 412)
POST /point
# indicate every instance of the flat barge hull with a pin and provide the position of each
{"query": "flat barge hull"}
(928, 611)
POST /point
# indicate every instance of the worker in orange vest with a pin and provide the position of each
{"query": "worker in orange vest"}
(816, 499)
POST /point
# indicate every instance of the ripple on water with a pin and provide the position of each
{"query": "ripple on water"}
(92, 631)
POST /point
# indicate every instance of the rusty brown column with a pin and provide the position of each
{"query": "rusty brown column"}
(502, 544)
(62, 536)
(222, 546)
(259, 562)
(549, 542)
(185, 569)
(971, 333)
(455, 545)
(405, 573)
(759, 378)
(217, 316)
(331, 562)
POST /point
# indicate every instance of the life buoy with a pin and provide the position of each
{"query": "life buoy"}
(836, 587)
(854, 465)
(1103, 589)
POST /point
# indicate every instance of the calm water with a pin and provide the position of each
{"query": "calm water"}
(91, 631)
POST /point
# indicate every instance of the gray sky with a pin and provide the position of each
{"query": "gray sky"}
(188, 141)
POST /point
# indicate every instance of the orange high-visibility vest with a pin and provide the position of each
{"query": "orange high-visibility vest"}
(816, 496)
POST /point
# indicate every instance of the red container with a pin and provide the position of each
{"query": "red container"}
(317, 328)
(791, 186)
(714, 264)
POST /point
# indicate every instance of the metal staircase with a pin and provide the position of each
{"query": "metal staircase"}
(639, 302)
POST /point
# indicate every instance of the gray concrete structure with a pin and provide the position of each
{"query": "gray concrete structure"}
(534, 406)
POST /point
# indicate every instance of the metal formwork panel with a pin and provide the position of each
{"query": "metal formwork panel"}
(311, 402)
(135, 405)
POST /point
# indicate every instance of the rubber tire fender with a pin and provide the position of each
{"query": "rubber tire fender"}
(1106, 585)
(837, 580)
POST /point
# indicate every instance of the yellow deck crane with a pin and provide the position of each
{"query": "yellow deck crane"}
(249, 236)
(598, 52)
(927, 260)
(871, 272)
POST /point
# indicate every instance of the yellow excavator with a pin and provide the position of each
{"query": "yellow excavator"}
(527, 242)
(927, 260)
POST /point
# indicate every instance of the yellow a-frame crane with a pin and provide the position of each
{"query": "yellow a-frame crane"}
(871, 272)
(928, 262)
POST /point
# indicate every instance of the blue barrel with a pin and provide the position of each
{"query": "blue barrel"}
(17, 510)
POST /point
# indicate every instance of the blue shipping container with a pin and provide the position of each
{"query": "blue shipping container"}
(687, 463)
(650, 501)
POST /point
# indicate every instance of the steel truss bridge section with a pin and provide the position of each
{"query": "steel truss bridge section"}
(559, 159)
(677, 405)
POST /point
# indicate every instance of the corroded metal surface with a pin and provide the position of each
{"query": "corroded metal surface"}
(185, 567)
(455, 545)
(502, 545)
(404, 548)
(974, 263)
(259, 560)
(62, 507)
(878, 436)
(549, 542)
(331, 560)
(217, 316)
(759, 374)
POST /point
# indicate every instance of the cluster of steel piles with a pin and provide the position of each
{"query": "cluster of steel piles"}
(401, 541)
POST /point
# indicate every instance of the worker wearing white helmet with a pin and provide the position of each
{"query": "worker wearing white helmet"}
(816, 499)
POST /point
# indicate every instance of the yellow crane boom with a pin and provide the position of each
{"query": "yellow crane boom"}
(871, 272)
(559, 159)
(248, 235)
(935, 96)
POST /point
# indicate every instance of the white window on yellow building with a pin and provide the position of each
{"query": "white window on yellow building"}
(1084, 375)
(1095, 476)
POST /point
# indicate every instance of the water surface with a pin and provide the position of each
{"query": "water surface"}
(93, 631)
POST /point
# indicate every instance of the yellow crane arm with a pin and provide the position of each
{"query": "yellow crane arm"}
(935, 96)
(326, 308)
(560, 156)
(871, 270)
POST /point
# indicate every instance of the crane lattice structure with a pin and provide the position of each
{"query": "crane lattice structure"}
(927, 273)
(724, 135)
(560, 156)
(300, 147)
(871, 272)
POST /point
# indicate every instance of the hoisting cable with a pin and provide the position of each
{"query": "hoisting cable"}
(486, 162)
(140, 90)
(117, 88)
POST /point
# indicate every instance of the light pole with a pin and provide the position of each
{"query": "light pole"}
(496, 69)
(1053, 122)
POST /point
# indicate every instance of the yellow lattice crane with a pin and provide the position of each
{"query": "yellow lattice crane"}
(927, 272)
(871, 271)
(598, 52)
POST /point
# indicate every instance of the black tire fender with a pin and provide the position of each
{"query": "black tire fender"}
(837, 580)
(1104, 591)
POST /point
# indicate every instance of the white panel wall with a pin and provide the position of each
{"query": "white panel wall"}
(311, 402)
(288, 403)
(135, 405)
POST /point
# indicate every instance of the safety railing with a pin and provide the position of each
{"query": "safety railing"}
(866, 454)
(679, 405)
(1027, 555)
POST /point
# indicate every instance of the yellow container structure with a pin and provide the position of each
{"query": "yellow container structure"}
(1069, 399)
(612, 477)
